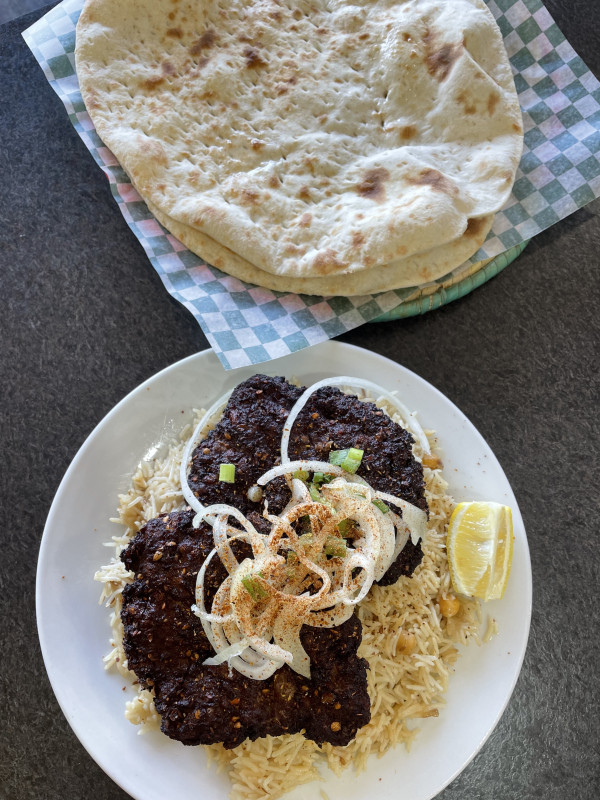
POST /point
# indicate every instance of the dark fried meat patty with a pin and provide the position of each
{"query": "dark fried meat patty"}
(164, 640)
(165, 647)
(249, 435)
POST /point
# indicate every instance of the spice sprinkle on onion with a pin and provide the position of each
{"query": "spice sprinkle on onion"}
(348, 538)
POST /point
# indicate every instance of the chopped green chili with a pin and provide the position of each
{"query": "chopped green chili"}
(349, 460)
(227, 473)
(300, 474)
(335, 547)
(322, 477)
(254, 588)
(305, 540)
(345, 527)
(381, 505)
(314, 493)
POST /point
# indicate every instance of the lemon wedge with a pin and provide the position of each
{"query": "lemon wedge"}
(480, 549)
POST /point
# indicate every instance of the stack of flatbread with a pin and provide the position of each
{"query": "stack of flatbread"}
(312, 146)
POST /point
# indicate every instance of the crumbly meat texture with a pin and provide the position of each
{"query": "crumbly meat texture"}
(249, 435)
(164, 641)
(166, 646)
(332, 420)
(406, 563)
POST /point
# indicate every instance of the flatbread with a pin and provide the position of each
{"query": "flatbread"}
(412, 271)
(318, 147)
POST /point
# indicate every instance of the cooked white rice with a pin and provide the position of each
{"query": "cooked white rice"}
(410, 646)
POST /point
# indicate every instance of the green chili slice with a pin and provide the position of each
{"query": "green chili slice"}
(345, 527)
(381, 505)
(349, 460)
(300, 474)
(254, 588)
(335, 547)
(227, 473)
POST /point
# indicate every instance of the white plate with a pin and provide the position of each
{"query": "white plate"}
(74, 629)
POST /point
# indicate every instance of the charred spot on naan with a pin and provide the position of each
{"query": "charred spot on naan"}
(408, 132)
(436, 181)
(205, 42)
(291, 249)
(493, 100)
(248, 197)
(358, 239)
(175, 33)
(152, 83)
(92, 101)
(196, 177)
(326, 262)
(440, 56)
(401, 250)
(476, 226)
(208, 214)
(372, 186)
(506, 175)
(168, 68)
(467, 102)
(152, 150)
(254, 60)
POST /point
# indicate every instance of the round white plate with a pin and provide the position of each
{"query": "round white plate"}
(74, 630)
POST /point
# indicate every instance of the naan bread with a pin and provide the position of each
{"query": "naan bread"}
(415, 270)
(318, 147)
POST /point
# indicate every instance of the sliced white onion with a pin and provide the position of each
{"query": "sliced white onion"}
(256, 539)
(222, 546)
(293, 466)
(239, 603)
(368, 566)
(228, 653)
(402, 534)
(254, 641)
(199, 608)
(378, 533)
(252, 665)
(286, 633)
(388, 543)
(300, 494)
(215, 410)
(414, 518)
(342, 382)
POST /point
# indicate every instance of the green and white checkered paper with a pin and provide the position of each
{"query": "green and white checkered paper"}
(245, 324)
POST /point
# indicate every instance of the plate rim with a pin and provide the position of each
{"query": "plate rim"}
(115, 410)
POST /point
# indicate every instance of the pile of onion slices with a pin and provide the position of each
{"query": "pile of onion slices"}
(320, 558)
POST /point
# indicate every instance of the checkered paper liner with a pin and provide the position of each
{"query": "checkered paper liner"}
(559, 173)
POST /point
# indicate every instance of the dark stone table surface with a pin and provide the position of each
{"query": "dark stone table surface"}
(519, 356)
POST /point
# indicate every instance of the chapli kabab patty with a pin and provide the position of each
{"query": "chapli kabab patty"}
(166, 646)
(164, 641)
(249, 436)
